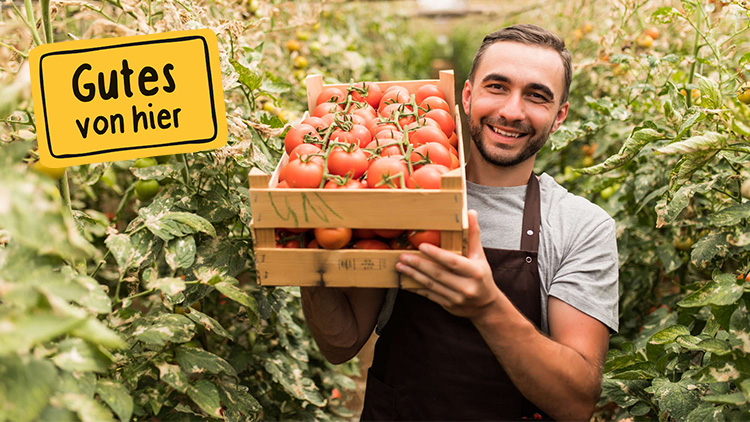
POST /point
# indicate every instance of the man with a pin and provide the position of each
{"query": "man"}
(505, 333)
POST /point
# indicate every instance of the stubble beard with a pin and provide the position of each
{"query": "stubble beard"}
(533, 145)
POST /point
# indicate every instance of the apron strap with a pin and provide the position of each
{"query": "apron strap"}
(532, 217)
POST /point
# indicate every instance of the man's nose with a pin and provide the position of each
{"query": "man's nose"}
(513, 107)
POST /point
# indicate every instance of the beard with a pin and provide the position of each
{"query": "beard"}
(533, 145)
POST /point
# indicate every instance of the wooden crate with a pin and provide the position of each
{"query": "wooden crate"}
(444, 209)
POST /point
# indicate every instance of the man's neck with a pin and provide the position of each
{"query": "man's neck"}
(483, 173)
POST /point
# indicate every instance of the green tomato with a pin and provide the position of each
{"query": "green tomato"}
(145, 162)
(607, 192)
(163, 159)
(109, 177)
(146, 189)
(744, 94)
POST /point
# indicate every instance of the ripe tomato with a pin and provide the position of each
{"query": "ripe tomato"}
(330, 94)
(367, 113)
(351, 161)
(357, 135)
(427, 177)
(404, 111)
(433, 152)
(304, 151)
(384, 148)
(298, 135)
(428, 90)
(304, 174)
(313, 244)
(444, 119)
(363, 233)
(324, 108)
(389, 233)
(453, 140)
(388, 130)
(432, 103)
(372, 93)
(372, 244)
(387, 172)
(282, 185)
(315, 122)
(348, 184)
(417, 237)
(394, 94)
(426, 134)
(333, 238)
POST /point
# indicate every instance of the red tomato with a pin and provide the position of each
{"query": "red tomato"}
(333, 238)
(433, 152)
(315, 122)
(313, 244)
(372, 93)
(427, 134)
(324, 108)
(431, 103)
(358, 135)
(299, 134)
(417, 237)
(427, 177)
(387, 172)
(331, 94)
(389, 233)
(301, 174)
(328, 119)
(400, 243)
(282, 185)
(454, 161)
(453, 140)
(291, 243)
(389, 128)
(367, 114)
(373, 244)
(349, 184)
(428, 90)
(351, 161)
(384, 148)
(394, 94)
(444, 119)
(363, 233)
(404, 111)
(304, 151)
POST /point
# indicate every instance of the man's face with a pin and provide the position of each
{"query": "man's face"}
(513, 101)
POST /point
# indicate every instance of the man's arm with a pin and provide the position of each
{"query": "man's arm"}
(562, 373)
(341, 319)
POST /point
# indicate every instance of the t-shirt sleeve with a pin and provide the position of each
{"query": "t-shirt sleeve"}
(587, 278)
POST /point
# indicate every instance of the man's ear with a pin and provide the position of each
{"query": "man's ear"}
(562, 113)
(466, 97)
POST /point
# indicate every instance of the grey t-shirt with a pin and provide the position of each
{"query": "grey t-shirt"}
(577, 244)
(577, 247)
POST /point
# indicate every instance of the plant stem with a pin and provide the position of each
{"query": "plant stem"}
(47, 22)
(185, 170)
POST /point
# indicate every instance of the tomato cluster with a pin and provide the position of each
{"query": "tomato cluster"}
(365, 137)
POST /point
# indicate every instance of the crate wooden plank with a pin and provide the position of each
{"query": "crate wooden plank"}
(335, 268)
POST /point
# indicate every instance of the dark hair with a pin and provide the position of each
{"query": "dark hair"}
(532, 35)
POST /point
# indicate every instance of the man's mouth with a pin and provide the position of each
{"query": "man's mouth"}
(506, 133)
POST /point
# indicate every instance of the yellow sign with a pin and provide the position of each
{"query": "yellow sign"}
(125, 98)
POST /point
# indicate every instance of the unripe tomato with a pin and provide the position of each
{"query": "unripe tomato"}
(293, 45)
(146, 189)
(163, 159)
(644, 41)
(300, 62)
(145, 162)
(53, 173)
(683, 244)
(744, 94)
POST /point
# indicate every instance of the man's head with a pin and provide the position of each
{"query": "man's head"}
(532, 35)
(516, 95)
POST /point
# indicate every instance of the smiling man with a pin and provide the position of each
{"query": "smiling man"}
(519, 327)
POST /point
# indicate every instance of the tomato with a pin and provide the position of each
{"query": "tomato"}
(389, 233)
(428, 90)
(644, 41)
(443, 119)
(333, 238)
(371, 93)
(300, 62)
(363, 233)
(427, 177)
(426, 134)
(362, 134)
(145, 162)
(330, 94)
(455, 162)
(293, 45)
(302, 133)
(146, 189)
(371, 244)
(387, 172)
(316, 122)
(348, 184)
(388, 130)
(313, 244)
(432, 103)
(325, 108)
(163, 159)
(394, 94)
(282, 185)
(433, 152)
(744, 94)
(304, 151)
(384, 148)
(54, 173)
(358, 135)
(366, 113)
(304, 174)
(453, 140)
(400, 243)
(652, 32)
(290, 243)
(351, 161)
(404, 111)
(417, 237)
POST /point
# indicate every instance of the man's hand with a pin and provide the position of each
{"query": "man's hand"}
(462, 285)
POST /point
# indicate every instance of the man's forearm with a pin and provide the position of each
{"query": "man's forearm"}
(555, 377)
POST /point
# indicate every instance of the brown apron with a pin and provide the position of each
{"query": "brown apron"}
(432, 365)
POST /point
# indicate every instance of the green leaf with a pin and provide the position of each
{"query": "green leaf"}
(710, 92)
(168, 285)
(34, 329)
(706, 412)
(195, 361)
(117, 398)
(688, 124)
(96, 332)
(638, 371)
(205, 394)
(730, 216)
(236, 294)
(721, 291)
(667, 211)
(251, 78)
(239, 402)
(208, 323)
(734, 398)
(625, 393)
(78, 355)
(669, 334)
(175, 224)
(165, 327)
(25, 387)
(87, 409)
(664, 15)
(708, 141)
(707, 247)
(157, 172)
(286, 371)
(632, 146)
(677, 398)
(180, 252)
(173, 375)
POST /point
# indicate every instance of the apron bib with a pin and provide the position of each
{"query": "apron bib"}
(432, 365)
